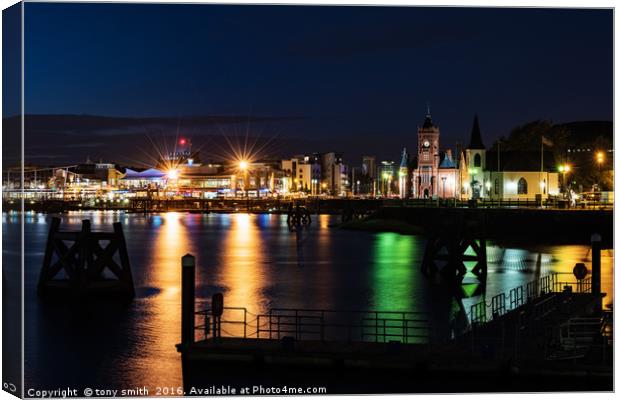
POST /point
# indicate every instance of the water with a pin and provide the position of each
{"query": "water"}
(257, 263)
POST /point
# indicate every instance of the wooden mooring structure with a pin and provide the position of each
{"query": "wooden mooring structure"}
(85, 262)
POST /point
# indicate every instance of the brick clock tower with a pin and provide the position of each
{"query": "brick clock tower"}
(425, 178)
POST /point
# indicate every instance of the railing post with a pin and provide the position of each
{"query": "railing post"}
(596, 267)
(188, 281)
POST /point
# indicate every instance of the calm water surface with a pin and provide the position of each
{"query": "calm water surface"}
(257, 263)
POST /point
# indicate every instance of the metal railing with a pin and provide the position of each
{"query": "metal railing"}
(320, 325)
(235, 320)
(501, 304)
(332, 325)
(580, 336)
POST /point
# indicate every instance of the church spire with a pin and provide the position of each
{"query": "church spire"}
(475, 141)
(404, 160)
(428, 122)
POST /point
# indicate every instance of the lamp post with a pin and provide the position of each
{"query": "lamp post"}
(564, 169)
(600, 159)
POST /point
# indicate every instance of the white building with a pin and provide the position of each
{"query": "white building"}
(476, 173)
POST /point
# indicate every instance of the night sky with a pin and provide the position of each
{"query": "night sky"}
(355, 79)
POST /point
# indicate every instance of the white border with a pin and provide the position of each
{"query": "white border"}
(456, 3)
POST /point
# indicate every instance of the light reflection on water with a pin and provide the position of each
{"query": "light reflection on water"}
(258, 263)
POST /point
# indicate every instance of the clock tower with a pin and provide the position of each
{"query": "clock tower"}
(425, 179)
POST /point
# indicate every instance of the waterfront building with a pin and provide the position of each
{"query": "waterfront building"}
(447, 175)
(97, 174)
(258, 178)
(334, 179)
(150, 178)
(507, 174)
(303, 174)
(426, 174)
(205, 180)
(515, 176)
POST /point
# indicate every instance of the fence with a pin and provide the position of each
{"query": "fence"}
(320, 325)
(501, 304)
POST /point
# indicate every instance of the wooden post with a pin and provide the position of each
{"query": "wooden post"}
(188, 277)
(596, 266)
(49, 251)
(84, 256)
(124, 257)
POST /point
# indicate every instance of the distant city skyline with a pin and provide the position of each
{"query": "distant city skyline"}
(350, 79)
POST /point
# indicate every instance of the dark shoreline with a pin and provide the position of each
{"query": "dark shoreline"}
(500, 225)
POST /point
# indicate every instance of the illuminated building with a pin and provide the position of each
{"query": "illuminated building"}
(476, 174)
(425, 175)
(303, 173)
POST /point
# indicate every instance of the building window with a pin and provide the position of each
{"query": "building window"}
(496, 186)
(477, 160)
(425, 156)
(522, 186)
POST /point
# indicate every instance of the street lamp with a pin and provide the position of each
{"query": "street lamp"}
(564, 169)
(600, 159)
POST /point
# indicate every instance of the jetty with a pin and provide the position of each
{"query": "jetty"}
(550, 335)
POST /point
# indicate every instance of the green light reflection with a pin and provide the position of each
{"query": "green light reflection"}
(394, 264)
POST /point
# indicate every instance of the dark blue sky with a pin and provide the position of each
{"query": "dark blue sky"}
(352, 73)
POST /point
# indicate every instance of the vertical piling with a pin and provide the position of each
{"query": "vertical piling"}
(49, 251)
(127, 276)
(85, 256)
(596, 266)
(188, 277)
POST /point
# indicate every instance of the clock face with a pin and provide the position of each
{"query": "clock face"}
(426, 143)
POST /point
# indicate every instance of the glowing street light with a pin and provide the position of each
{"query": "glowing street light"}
(173, 174)
(600, 159)
(243, 165)
(564, 168)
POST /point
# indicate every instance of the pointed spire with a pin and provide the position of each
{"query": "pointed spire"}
(475, 140)
(404, 161)
(428, 122)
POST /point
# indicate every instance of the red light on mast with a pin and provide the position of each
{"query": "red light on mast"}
(182, 142)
